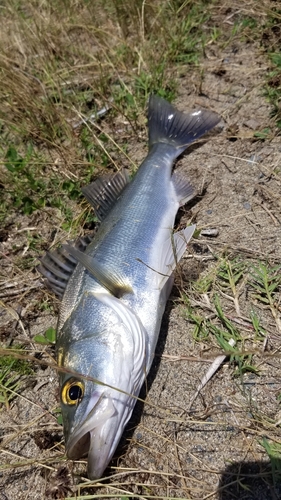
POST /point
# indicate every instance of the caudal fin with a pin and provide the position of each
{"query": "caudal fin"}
(169, 125)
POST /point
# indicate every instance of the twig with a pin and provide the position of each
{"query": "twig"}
(212, 370)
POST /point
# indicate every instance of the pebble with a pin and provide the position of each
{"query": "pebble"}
(210, 232)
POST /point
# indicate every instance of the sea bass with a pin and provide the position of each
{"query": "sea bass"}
(116, 287)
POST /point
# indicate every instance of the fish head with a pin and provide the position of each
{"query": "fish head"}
(92, 419)
(101, 374)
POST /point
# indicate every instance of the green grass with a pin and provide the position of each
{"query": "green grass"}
(49, 337)
(11, 372)
(271, 42)
(273, 451)
(273, 88)
(29, 190)
(9, 385)
(55, 74)
(55, 92)
(225, 282)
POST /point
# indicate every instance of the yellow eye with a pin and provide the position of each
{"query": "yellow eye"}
(72, 392)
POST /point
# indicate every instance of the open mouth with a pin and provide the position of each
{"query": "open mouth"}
(79, 448)
(96, 435)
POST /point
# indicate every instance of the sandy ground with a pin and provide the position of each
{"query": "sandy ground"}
(212, 449)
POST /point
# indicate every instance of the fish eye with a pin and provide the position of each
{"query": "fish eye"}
(72, 392)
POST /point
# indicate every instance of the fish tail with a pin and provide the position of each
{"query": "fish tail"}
(170, 126)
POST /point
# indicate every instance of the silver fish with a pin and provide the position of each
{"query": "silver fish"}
(115, 297)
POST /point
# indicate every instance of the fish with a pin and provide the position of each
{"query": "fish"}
(115, 286)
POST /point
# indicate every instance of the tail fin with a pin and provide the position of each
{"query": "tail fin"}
(171, 126)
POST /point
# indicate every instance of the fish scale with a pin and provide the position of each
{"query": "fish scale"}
(115, 297)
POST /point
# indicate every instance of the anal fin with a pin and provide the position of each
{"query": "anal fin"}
(172, 252)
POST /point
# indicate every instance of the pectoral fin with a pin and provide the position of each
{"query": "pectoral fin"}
(113, 282)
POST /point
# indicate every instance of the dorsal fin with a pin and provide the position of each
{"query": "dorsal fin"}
(183, 188)
(104, 191)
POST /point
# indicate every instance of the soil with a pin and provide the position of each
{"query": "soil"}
(213, 448)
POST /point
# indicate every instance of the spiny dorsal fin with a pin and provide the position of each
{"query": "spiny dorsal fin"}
(113, 282)
(103, 192)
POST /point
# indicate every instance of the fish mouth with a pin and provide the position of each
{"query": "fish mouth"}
(97, 436)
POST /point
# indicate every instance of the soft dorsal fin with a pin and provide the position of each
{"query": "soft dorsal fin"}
(104, 191)
(112, 281)
(183, 188)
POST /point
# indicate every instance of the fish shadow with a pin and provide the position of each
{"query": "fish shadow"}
(251, 481)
